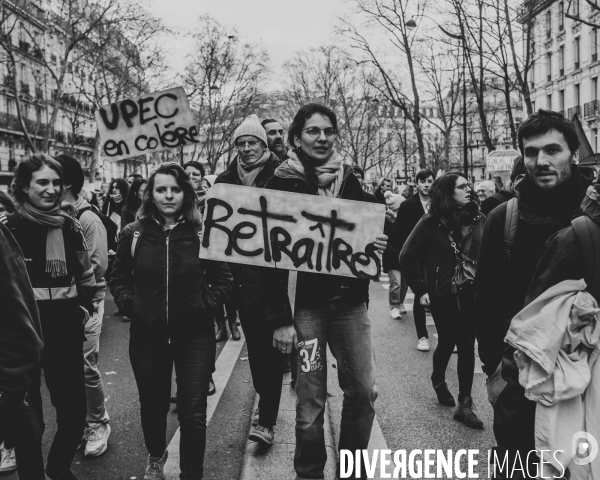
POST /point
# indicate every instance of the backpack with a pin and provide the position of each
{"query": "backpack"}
(111, 228)
(586, 231)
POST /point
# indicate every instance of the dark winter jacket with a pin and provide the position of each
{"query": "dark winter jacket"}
(427, 259)
(20, 332)
(391, 255)
(496, 199)
(501, 284)
(169, 293)
(249, 294)
(409, 214)
(314, 288)
(379, 195)
(57, 298)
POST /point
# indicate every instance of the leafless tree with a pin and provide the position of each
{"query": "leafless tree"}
(223, 77)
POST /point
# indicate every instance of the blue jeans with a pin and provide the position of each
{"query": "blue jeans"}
(347, 330)
(398, 288)
(153, 366)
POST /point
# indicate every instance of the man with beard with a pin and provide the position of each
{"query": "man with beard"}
(548, 198)
(274, 132)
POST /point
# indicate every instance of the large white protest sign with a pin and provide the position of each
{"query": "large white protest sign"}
(292, 231)
(146, 124)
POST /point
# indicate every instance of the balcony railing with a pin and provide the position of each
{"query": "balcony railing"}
(11, 122)
(574, 110)
(24, 88)
(590, 109)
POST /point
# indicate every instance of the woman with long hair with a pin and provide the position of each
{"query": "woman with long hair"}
(115, 200)
(329, 309)
(171, 296)
(439, 262)
(63, 283)
(133, 202)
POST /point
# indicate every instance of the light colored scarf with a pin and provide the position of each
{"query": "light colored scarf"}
(248, 173)
(330, 174)
(56, 260)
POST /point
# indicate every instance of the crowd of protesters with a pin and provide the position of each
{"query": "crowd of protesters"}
(481, 260)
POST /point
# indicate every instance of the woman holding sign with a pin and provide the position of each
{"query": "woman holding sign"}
(329, 309)
(439, 261)
(171, 296)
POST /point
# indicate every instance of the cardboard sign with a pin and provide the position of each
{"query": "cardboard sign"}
(146, 124)
(500, 160)
(269, 228)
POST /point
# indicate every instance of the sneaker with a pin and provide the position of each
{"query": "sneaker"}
(8, 462)
(443, 394)
(402, 309)
(255, 415)
(395, 313)
(262, 435)
(464, 413)
(423, 345)
(97, 441)
(155, 467)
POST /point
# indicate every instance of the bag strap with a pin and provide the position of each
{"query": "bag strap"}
(510, 225)
(587, 233)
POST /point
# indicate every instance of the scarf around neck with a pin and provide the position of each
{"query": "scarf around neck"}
(56, 260)
(249, 172)
(329, 175)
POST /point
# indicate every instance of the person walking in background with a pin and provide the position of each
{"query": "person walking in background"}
(360, 174)
(171, 295)
(275, 134)
(196, 172)
(329, 310)
(64, 286)
(438, 260)
(133, 201)
(115, 201)
(409, 214)
(508, 191)
(253, 166)
(98, 428)
(384, 185)
(391, 257)
(485, 189)
(132, 177)
(7, 205)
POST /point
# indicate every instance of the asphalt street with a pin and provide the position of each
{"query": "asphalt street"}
(407, 411)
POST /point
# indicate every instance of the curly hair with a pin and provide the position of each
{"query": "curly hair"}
(25, 170)
(189, 212)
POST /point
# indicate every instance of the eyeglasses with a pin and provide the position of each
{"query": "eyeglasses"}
(315, 132)
(250, 144)
(464, 187)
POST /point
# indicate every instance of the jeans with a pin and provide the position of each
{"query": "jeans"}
(26, 438)
(94, 388)
(152, 367)
(455, 324)
(420, 319)
(230, 310)
(347, 330)
(398, 288)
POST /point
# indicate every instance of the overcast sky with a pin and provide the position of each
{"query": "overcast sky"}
(282, 26)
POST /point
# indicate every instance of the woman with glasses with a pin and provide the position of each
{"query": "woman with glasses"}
(329, 309)
(171, 296)
(253, 167)
(439, 261)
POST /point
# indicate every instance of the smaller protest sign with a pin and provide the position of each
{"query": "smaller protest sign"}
(500, 160)
(292, 231)
(146, 124)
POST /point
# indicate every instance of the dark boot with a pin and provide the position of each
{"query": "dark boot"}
(443, 394)
(464, 413)
(221, 331)
(235, 331)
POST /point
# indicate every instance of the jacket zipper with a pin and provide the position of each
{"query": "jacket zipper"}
(437, 271)
(168, 234)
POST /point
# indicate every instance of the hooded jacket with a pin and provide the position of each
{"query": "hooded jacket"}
(169, 293)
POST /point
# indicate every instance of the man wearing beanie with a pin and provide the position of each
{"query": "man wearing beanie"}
(253, 166)
(391, 262)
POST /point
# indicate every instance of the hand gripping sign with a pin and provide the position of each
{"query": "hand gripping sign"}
(292, 231)
(146, 124)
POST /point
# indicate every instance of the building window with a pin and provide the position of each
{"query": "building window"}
(576, 50)
(549, 23)
(549, 66)
(9, 106)
(561, 60)
(575, 8)
(549, 102)
(561, 16)
(595, 88)
(577, 95)
(595, 139)
(594, 44)
(561, 101)
(11, 151)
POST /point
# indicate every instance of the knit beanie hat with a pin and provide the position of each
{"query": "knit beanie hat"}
(393, 200)
(251, 126)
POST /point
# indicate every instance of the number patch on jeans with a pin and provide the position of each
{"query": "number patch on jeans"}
(309, 356)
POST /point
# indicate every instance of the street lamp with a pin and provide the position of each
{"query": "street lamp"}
(474, 136)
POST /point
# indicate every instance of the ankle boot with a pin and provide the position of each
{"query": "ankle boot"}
(235, 332)
(443, 394)
(155, 467)
(464, 413)
(221, 332)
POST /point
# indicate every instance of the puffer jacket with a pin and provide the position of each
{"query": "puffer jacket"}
(168, 292)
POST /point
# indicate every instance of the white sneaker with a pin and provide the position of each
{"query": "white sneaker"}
(423, 344)
(402, 309)
(8, 461)
(395, 313)
(97, 440)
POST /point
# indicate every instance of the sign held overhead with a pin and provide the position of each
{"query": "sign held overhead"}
(146, 124)
(292, 231)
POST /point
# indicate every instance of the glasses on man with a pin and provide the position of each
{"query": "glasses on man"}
(315, 132)
(249, 144)
(464, 187)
